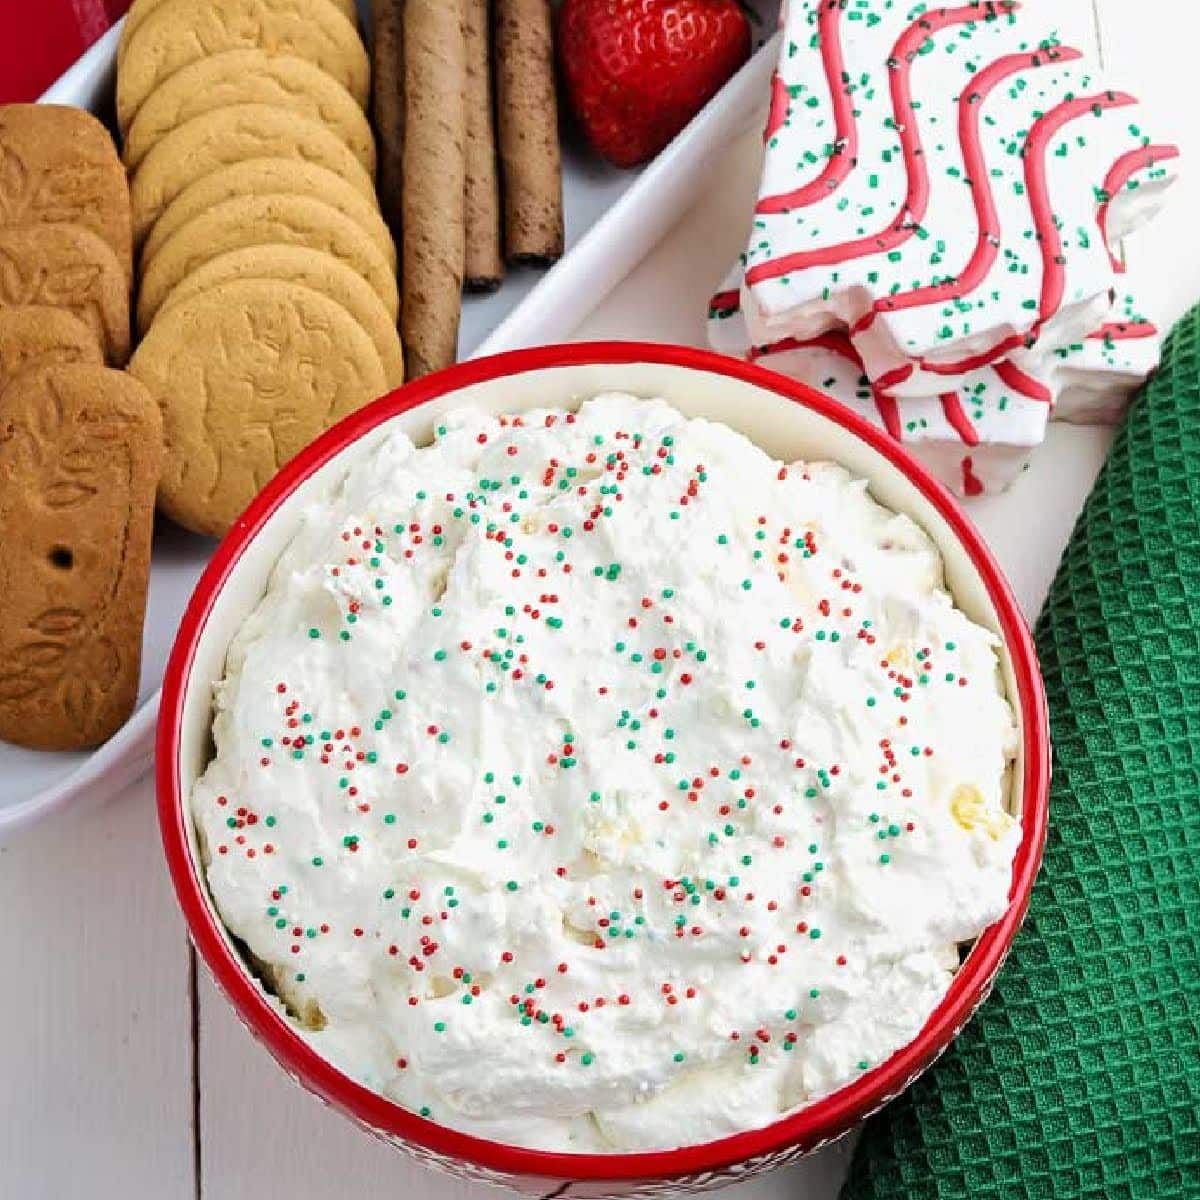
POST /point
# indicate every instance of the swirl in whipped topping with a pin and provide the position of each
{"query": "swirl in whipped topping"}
(592, 781)
(975, 177)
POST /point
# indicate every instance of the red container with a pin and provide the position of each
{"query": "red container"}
(791, 421)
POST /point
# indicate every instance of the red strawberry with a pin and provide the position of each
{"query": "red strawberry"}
(637, 71)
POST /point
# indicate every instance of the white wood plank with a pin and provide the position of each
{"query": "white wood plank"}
(95, 1020)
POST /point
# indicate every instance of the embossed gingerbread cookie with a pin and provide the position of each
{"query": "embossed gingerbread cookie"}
(262, 221)
(68, 267)
(250, 77)
(247, 375)
(228, 135)
(36, 337)
(176, 34)
(314, 269)
(80, 452)
(266, 177)
(139, 10)
(58, 165)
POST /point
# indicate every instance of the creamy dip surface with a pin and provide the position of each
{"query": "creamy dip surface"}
(593, 782)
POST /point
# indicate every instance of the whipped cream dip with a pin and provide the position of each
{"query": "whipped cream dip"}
(594, 782)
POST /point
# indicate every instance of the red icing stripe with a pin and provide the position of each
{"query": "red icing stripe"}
(1022, 383)
(972, 484)
(959, 421)
(730, 302)
(889, 414)
(840, 344)
(780, 103)
(836, 343)
(1123, 170)
(1124, 331)
(1054, 275)
(916, 201)
(987, 220)
(896, 376)
(845, 152)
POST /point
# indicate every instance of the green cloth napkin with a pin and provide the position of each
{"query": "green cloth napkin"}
(1080, 1077)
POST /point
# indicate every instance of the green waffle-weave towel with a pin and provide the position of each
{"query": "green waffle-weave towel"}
(1080, 1076)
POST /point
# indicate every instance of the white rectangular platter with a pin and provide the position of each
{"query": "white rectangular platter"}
(613, 219)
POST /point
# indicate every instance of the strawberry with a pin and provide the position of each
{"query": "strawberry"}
(637, 71)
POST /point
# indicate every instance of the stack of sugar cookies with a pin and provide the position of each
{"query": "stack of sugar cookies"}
(936, 236)
(80, 442)
(267, 299)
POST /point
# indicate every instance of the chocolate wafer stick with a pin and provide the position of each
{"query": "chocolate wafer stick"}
(527, 110)
(387, 106)
(435, 181)
(485, 260)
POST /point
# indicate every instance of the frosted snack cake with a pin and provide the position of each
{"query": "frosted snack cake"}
(592, 781)
(975, 437)
(946, 183)
(978, 433)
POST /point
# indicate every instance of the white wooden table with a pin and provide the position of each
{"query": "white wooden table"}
(122, 1071)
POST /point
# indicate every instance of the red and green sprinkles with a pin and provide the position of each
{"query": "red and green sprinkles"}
(553, 526)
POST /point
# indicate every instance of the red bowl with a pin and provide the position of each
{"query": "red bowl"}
(789, 420)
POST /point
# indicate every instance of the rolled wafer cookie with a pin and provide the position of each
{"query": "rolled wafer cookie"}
(485, 254)
(527, 116)
(434, 194)
(387, 101)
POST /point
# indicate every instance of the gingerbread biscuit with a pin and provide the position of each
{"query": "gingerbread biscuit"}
(314, 269)
(58, 165)
(80, 454)
(35, 337)
(263, 221)
(139, 10)
(228, 135)
(247, 375)
(69, 267)
(250, 77)
(176, 34)
(270, 176)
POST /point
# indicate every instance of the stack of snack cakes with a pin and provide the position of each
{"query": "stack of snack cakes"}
(937, 236)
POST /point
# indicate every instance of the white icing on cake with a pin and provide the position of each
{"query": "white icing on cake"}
(884, 222)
